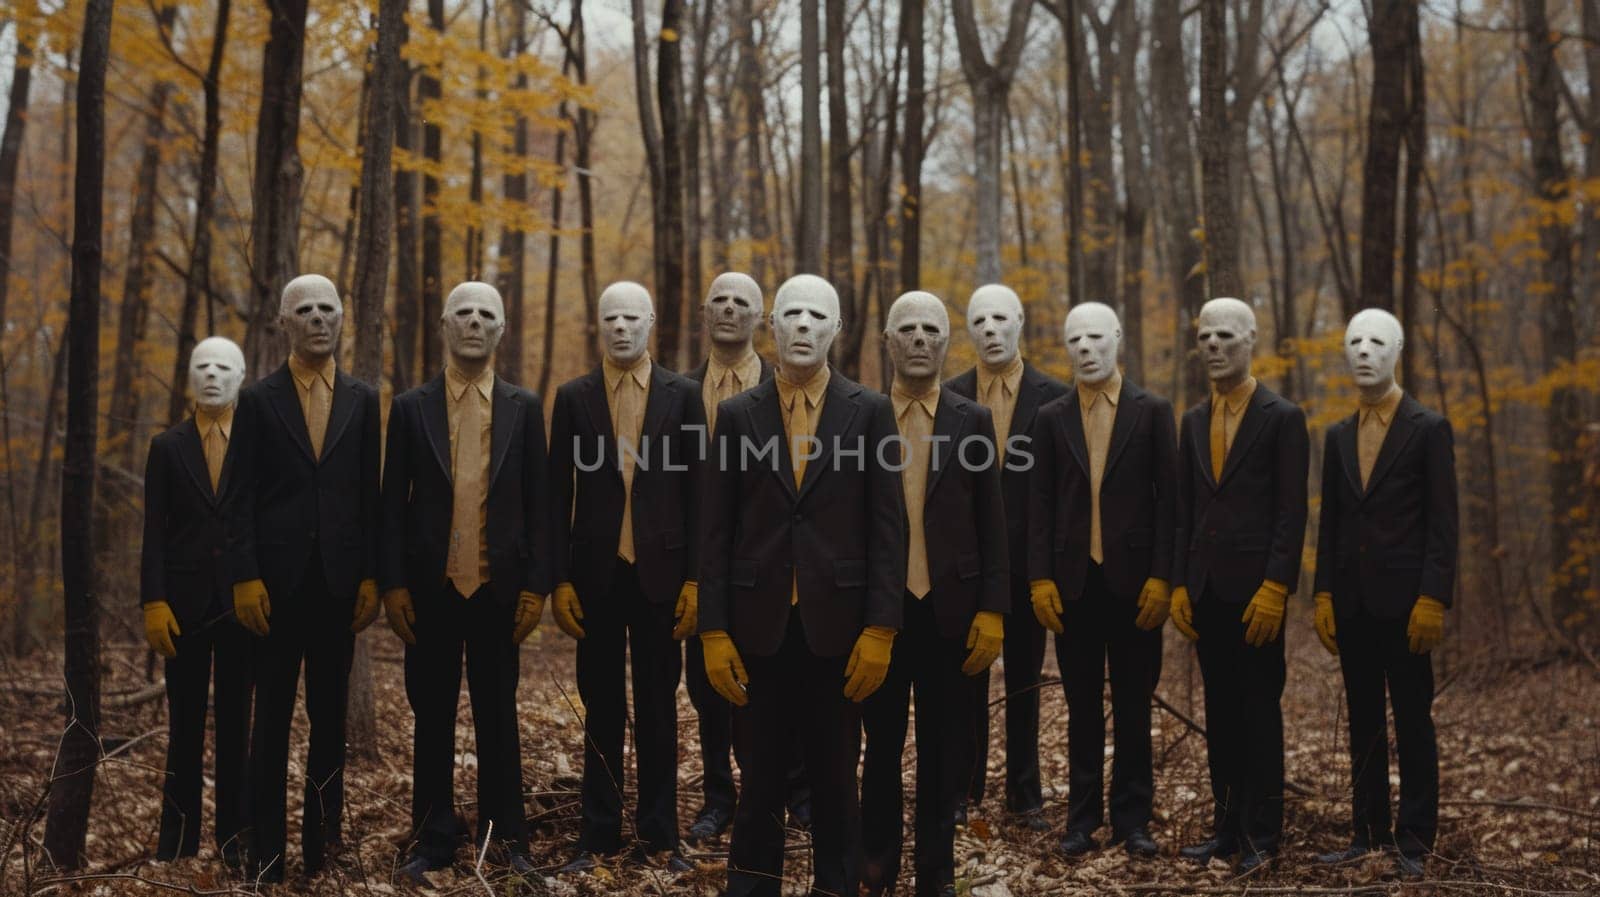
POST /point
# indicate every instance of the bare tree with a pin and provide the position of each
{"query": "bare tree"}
(1389, 30)
(1135, 186)
(912, 144)
(750, 90)
(513, 242)
(408, 324)
(1174, 154)
(808, 226)
(663, 148)
(11, 146)
(428, 90)
(1216, 191)
(841, 240)
(990, 83)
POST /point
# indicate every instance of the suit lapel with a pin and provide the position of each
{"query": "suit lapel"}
(766, 423)
(1130, 407)
(947, 424)
(345, 398)
(286, 403)
(1202, 446)
(193, 454)
(1401, 429)
(599, 410)
(436, 422)
(655, 404)
(1076, 441)
(1347, 453)
(1255, 417)
(1029, 392)
(507, 417)
(838, 410)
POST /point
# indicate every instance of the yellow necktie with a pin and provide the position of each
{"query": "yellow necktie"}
(917, 428)
(626, 401)
(997, 398)
(1099, 438)
(1219, 436)
(724, 389)
(216, 446)
(1369, 443)
(320, 403)
(799, 426)
(467, 495)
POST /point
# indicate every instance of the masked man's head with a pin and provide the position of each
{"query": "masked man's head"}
(994, 320)
(1093, 336)
(311, 315)
(733, 308)
(805, 320)
(626, 318)
(1226, 336)
(917, 332)
(216, 370)
(474, 319)
(1372, 344)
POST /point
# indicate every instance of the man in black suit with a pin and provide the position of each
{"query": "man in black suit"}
(188, 615)
(1100, 559)
(1386, 565)
(1243, 456)
(465, 567)
(304, 548)
(624, 460)
(802, 580)
(954, 605)
(1012, 390)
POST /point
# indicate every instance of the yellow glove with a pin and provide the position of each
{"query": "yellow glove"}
(1264, 614)
(530, 607)
(366, 605)
(251, 605)
(1183, 614)
(1154, 600)
(724, 669)
(401, 615)
(1046, 603)
(985, 638)
(869, 662)
(159, 628)
(1426, 628)
(567, 611)
(687, 611)
(1323, 622)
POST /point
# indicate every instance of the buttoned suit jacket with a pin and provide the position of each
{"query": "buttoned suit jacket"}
(182, 559)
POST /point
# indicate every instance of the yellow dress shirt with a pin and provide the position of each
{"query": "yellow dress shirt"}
(802, 405)
(914, 414)
(1098, 404)
(1374, 426)
(314, 385)
(469, 400)
(627, 390)
(997, 391)
(723, 382)
(1227, 409)
(215, 431)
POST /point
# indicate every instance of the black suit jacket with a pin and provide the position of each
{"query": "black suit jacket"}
(1138, 500)
(418, 498)
(1383, 546)
(1036, 389)
(666, 486)
(964, 517)
(289, 504)
(182, 561)
(1250, 526)
(842, 532)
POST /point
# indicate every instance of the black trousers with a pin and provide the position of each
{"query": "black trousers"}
(929, 665)
(1374, 653)
(1099, 630)
(795, 691)
(481, 628)
(190, 678)
(715, 720)
(1023, 659)
(1244, 726)
(618, 625)
(312, 627)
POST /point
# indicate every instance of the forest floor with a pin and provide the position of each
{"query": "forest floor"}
(1520, 781)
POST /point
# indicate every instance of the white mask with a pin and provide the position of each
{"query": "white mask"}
(1226, 336)
(1093, 336)
(626, 318)
(1372, 345)
(733, 308)
(805, 320)
(216, 370)
(311, 314)
(994, 320)
(474, 319)
(917, 332)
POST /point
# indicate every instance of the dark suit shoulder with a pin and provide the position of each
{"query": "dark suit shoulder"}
(959, 401)
(698, 374)
(1033, 375)
(1057, 406)
(571, 387)
(361, 386)
(752, 396)
(964, 384)
(677, 379)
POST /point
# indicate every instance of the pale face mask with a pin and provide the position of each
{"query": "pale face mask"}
(216, 370)
(1372, 345)
(311, 315)
(1093, 337)
(918, 335)
(1226, 336)
(474, 319)
(733, 307)
(994, 321)
(805, 320)
(626, 318)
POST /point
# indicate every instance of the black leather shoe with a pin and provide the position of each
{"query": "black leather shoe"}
(1140, 844)
(583, 862)
(1208, 849)
(1032, 820)
(1254, 860)
(520, 864)
(960, 817)
(1411, 867)
(800, 816)
(711, 823)
(411, 872)
(1076, 844)
(1350, 854)
(677, 864)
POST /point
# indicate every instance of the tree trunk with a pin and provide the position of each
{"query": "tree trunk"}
(408, 324)
(582, 135)
(1416, 135)
(472, 260)
(1222, 234)
(1100, 193)
(275, 209)
(694, 288)
(11, 150)
(911, 146)
(755, 114)
(1589, 256)
(513, 243)
(1169, 91)
(428, 94)
(1389, 31)
(808, 226)
(841, 239)
(553, 264)
(1135, 189)
(72, 780)
(1072, 159)
(669, 227)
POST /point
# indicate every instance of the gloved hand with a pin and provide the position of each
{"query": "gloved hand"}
(1264, 614)
(1154, 600)
(366, 605)
(724, 669)
(688, 610)
(985, 638)
(1426, 627)
(869, 662)
(1046, 603)
(251, 606)
(530, 607)
(1323, 622)
(567, 611)
(159, 628)
(401, 615)
(1183, 614)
